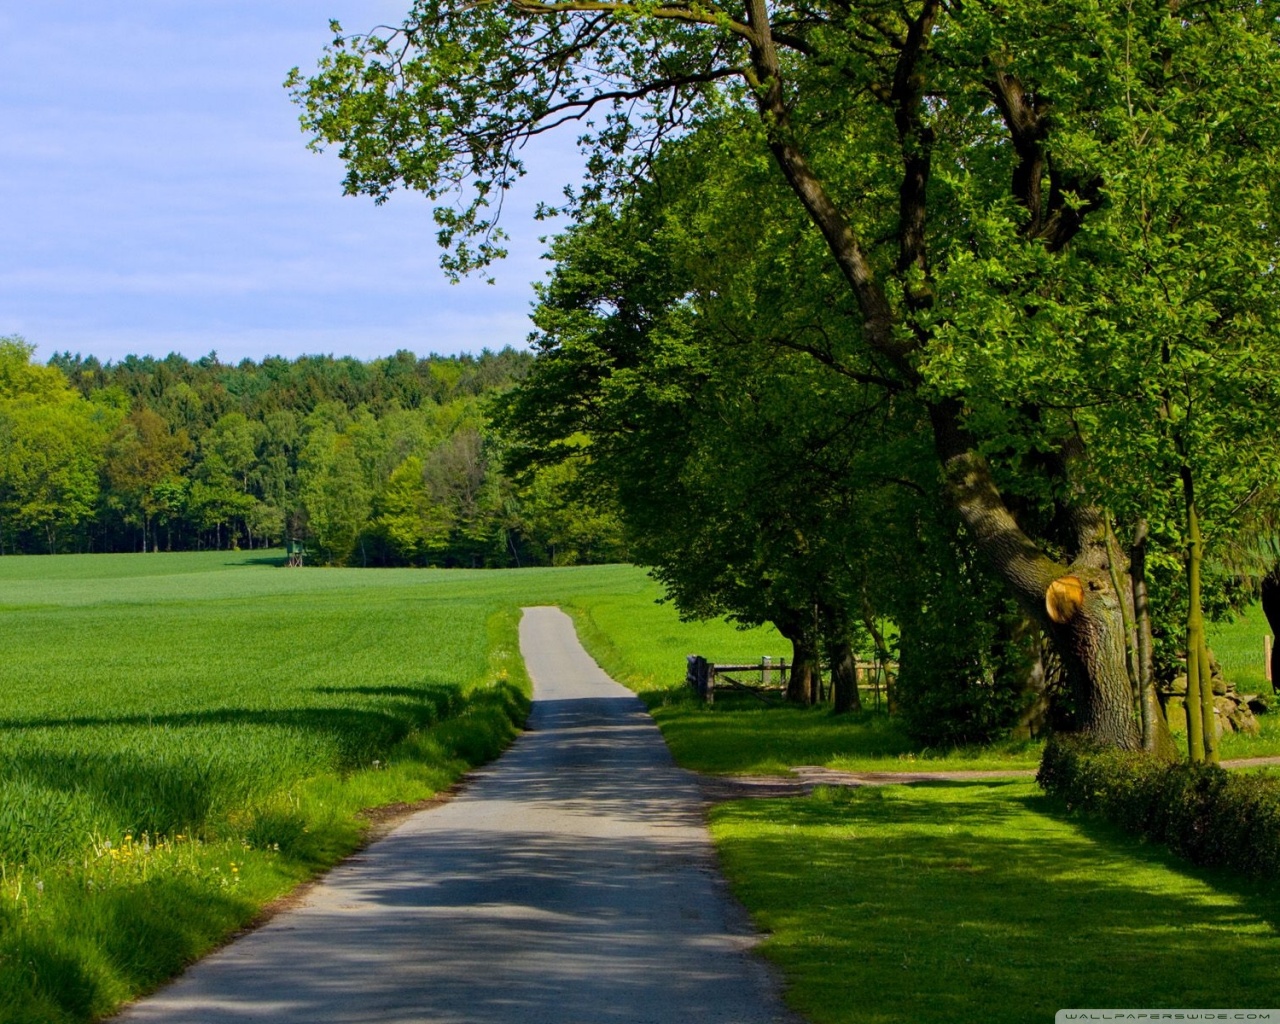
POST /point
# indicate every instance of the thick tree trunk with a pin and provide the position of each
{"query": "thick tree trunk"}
(1271, 609)
(1075, 604)
(844, 675)
(802, 681)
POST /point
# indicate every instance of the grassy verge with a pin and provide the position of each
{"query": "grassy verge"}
(983, 904)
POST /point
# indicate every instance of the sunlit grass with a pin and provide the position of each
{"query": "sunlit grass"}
(980, 903)
(1238, 646)
(643, 645)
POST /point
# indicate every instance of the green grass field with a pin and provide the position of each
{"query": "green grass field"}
(185, 736)
(1238, 647)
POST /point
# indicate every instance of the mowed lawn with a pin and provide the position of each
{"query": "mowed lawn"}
(984, 903)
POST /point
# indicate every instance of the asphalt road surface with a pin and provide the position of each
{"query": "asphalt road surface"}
(570, 882)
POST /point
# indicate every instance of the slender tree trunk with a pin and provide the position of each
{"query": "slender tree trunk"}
(1156, 737)
(1195, 718)
(1200, 703)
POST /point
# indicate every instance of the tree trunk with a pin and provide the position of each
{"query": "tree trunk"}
(804, 658)
(1156, 737)
(1075, 604)
(1271, 609)
(1201, 727)
(844, 675)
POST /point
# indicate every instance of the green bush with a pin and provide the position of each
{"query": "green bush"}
(1202, 812)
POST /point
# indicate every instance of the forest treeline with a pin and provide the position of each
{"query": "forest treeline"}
(387, 462)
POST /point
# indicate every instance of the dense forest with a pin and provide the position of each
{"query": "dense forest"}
(388, 462)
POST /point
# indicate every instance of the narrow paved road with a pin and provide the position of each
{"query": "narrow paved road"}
(570, 882)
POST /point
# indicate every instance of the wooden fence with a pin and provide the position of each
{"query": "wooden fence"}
(704, 677)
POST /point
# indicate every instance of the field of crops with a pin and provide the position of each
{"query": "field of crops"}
(184, 737)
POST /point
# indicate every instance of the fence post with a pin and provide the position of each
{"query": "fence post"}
(1267, 641)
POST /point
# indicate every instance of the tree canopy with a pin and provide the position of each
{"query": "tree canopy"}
(1051, 225)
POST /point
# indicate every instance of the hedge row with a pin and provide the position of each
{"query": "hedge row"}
(1201, 812)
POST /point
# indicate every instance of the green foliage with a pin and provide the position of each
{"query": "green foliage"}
(1201, 812)
(966, 653)
(1053, 258)
(173, 454)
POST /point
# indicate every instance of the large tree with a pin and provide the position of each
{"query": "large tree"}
(676, 367)
(969, 167)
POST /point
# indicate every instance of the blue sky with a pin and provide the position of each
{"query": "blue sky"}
(158, 195)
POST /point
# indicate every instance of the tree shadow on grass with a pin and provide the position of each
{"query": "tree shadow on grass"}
(387, 720)
(441, 698)
(137, 935)
(751, 737)
(1261, 894)
(280, 560)
(988, 909)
